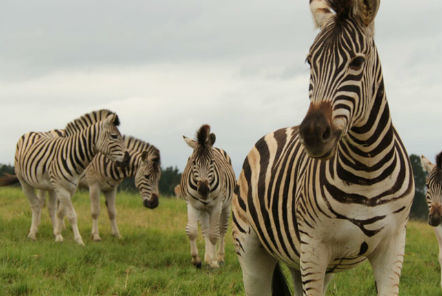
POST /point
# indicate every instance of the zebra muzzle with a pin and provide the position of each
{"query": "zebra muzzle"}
(125, 162)
(203, 188)
(435, 215)
(151, 203)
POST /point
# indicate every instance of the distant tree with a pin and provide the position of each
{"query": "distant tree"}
(6, 169)
(419, 209)
(170, 177)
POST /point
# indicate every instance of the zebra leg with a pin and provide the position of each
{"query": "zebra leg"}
(41, 194)
(257, 265)
(296, 275)
(313, 265)
(386, 261)
(34, 201)
(438, 233)
(94, 195)
(112, 211)
(210, 224)
(224, 223)
(66, 205)
(192, 233)
(52, 208)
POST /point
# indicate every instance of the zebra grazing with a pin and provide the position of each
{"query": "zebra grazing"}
(207, 184)
(336, 190)
(434, 198)
(54, 162)
(104, 175)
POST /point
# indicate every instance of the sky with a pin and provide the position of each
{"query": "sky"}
(168, 66)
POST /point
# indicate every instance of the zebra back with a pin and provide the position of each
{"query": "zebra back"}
(89, 119)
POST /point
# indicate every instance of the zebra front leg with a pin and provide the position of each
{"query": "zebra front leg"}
(66, 206)
(210, 224)
(386, 261)
(34, 201)
(192, 233)
(224, 224)
(112, 211)
(438, 233)
(257, 264)
(313, 265)
(94, 195)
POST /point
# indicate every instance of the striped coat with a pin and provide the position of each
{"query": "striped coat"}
(207, 184)
(336, 190)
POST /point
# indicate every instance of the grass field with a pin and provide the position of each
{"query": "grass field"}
(153, 256)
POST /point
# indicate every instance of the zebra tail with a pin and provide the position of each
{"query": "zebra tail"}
(8, 179)
(279, 283)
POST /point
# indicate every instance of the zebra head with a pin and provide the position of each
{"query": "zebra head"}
(147, 177)
(343, 70)
(201, 162)
(110, 142)
(434, 189)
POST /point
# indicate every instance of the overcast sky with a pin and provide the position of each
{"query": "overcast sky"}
(168, 66)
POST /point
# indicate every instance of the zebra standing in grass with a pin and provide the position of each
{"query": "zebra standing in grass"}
(434, 198)
(207, 184)
(55, 164)
(336, 190)
(104, 175)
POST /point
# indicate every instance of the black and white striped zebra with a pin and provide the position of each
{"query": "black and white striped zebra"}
(54, 161)
(434, 198)
(207, 184)
(104, 175)
(336, 190)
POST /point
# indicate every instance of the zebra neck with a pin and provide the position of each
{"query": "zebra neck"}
(86, 145)
(369, 148)
(130, 170)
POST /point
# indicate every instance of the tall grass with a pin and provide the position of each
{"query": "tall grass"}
(153, 256)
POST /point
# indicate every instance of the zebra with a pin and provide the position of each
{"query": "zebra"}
(104, 175)
(207, 185)
(54, 161)
(434, 198)
(336, 190)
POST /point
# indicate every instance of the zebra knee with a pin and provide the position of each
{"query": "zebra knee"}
(213, 238)
(192, 232)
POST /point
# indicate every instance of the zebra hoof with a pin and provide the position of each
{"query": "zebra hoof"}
(96, 238)
(32, 236)
(198, 265)
(58, 238)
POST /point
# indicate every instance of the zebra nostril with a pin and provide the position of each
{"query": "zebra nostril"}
(326, 134)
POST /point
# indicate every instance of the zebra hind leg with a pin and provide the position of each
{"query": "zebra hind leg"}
(34, 202)
(94, 195)
(112, 211)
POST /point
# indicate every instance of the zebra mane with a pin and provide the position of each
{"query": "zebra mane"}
(342, 8)
(202, 134)
(89, 119)
(136, 145)
(439, 161)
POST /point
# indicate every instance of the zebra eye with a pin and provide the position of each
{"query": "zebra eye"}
(147, 176)
(114, 137)
(357, 63)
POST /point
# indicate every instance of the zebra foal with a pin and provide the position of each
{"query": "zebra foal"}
(336, 190)
(54, 162)
(434, 199)
(104, 175)
(207, 184)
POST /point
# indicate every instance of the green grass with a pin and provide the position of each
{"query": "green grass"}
(153, 256)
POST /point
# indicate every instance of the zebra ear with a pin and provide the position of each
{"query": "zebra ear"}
(192, 144)
(212, 139)
(367, 10)
(112, 119)
(427, 164)
(321, 12)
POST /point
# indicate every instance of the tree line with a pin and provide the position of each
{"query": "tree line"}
(171, 176)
